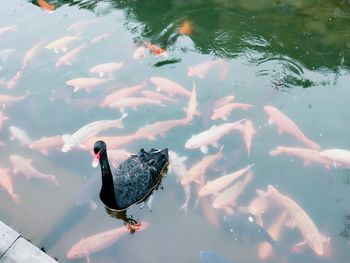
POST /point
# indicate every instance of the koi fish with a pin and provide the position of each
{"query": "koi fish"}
(6, 183)
(45, 5)
(177, 165)
(62, 43)
(156, 50)
(13, 82)
(99, 38)
(309, 156)
(212, 136)
(89, 245)
(139, 53)
(7, 29)
(133, 102)
(200, 167)
(224, 111)
(107, 68)
(169, 86)
(287, 125)
(186, 28)
(45, 144)
(265, 249)
(157, 96)
(8, 100)
(75, 140)
(69, 57)
(113, 142)
(86, 84)
(192, 105)
(25, 167)
(338, 157)
(202, 69)
(89, 191)
(227, 199)
(20, 135)
(223, 101)
(150, 131)
(217, 185)
(121, 93)
(301, 220)
(248, 133)
(31, 53)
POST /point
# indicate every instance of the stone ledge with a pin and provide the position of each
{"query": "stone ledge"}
(16, 249)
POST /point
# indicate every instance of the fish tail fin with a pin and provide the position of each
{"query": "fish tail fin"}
(53, 179)
(15, 198)
(313, 145)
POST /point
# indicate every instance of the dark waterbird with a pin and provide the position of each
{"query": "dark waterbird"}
(208, 256)
(133, 181)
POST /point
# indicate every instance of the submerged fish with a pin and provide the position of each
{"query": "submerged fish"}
(157, 96)
(25, 167)
(248, 133)
(224, 111)
(45, 144)
(69, 57)
(5, 53)
(88, 131)
(61, 43)
(8, 100)
(13, 82)
(31, 53)
(89, 191)
(6, 183)
(339, 157)
(192, 105)
(121, 93)
(89, 245)
(287, 125)
(201, 69)
(212, 136)
(169, 86)
(78, 26)
(133, 102)
(20, 135)
(7, 29)
(86, 84)
(107, 68)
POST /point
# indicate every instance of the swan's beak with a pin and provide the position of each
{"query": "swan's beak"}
(96, 160)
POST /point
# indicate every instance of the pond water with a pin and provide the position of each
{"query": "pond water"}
(294, 56)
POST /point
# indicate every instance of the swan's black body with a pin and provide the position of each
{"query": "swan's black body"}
(133, 180)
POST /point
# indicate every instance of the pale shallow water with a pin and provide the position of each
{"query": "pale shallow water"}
(293, 56)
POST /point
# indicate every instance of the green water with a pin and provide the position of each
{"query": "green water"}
(293, 55)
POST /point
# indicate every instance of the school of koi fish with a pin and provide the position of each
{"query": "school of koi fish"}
(219, 196)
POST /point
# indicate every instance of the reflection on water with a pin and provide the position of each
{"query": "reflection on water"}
(204, 57)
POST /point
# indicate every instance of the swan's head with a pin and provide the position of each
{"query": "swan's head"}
(99, 149)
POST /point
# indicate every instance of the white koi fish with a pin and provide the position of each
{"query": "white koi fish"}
(157, 96)
(88, 131)
(223, 101)
(192, 105)
(20, 135)
(25, 167)
(169, 86)
(61, 43)
(99, 38)
(212, 136)
(7, 29)
(309, 156)
(107, 68)
(287, 125)
(86, 84)
(202, 69)
(217, 185)
(248, 133)
(338, 157)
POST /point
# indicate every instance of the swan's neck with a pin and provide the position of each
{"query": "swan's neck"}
(107, 193)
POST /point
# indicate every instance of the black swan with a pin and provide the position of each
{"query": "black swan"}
(133, 181)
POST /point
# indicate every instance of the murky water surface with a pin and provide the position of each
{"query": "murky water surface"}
(292, 55)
